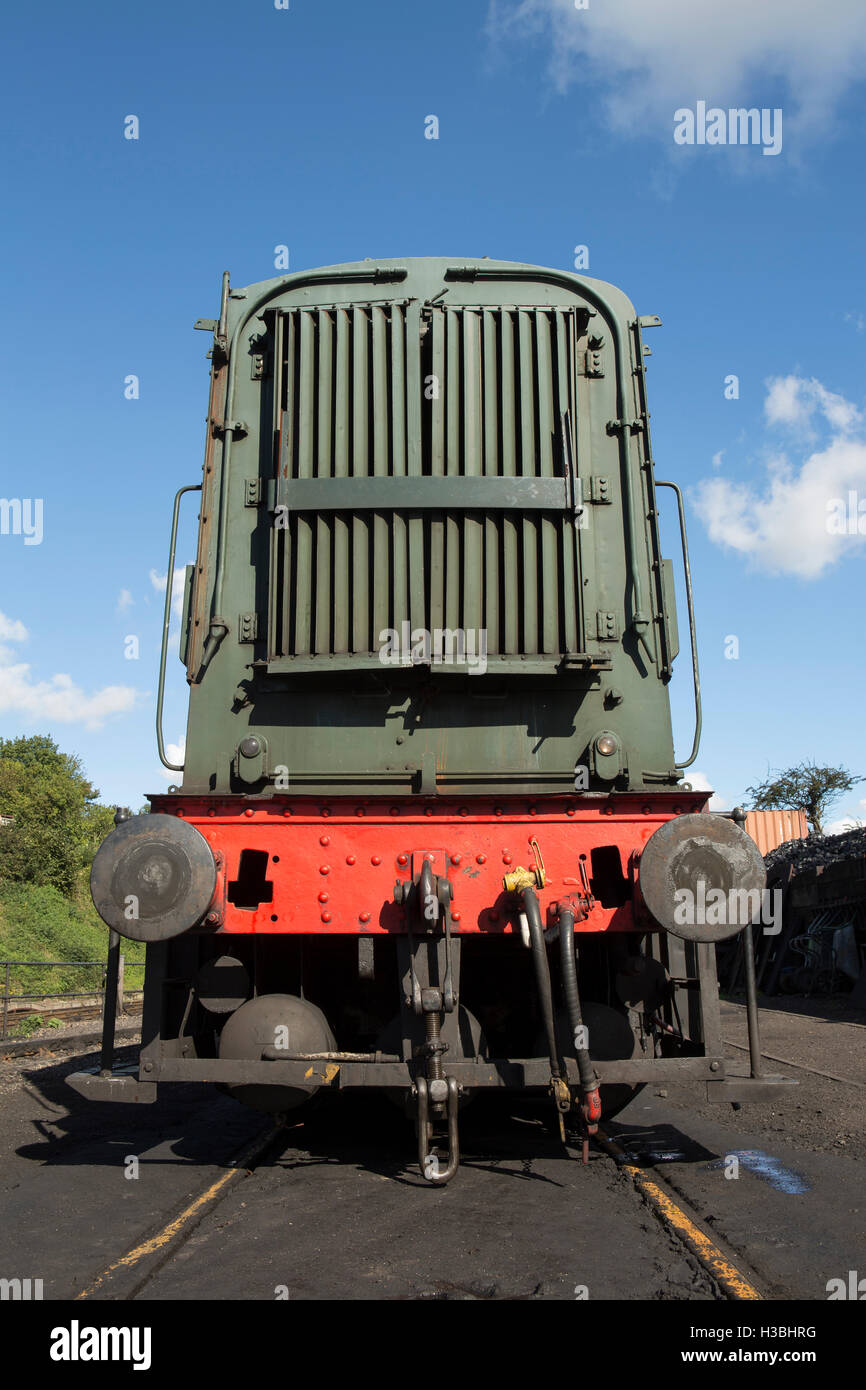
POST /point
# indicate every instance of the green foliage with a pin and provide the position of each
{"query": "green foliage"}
(45, 908)
(37, 923)
(28, 1026)
(805, 787)
(58, 823)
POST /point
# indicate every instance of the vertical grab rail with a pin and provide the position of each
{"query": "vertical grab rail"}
(166, 622)
(689, 601)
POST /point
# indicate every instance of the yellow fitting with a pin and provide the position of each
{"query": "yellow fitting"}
(522, 878)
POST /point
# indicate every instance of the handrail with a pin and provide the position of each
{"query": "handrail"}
(688, 577)
(166, 623)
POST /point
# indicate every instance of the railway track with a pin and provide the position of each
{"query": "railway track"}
(313, 1209)
(800, 1066)
(70, 1015)
(135, 1274)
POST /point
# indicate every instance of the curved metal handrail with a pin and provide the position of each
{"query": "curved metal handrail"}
(166, 623)
(688, 577)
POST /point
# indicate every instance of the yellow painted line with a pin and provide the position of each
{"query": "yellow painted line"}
(167, 1234)
(733, 1283)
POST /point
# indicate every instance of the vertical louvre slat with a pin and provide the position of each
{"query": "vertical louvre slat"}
(323, 468)
(402, 559)
(276, 564)
(453, 441)
(360, 454)
(473, 527)
(305, 424)
(548, 527)
(410, 406)
(512, 587)
(490, 399)
(342, 397)
(381, 560)
(530, 577)
(288, 463)
(436, 406)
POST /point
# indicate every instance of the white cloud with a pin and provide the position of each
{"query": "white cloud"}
(717, 459)
(125, 600)
(11, 630)
(858, 321)
(56, 700)
(177, 584)
(792, 401)
(838, 827)
(656, 55)
(175, 754)
(701, 783)
(782, 525)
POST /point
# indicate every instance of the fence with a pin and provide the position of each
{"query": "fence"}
(49, 993)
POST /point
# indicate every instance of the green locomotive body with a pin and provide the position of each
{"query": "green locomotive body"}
(428, 637)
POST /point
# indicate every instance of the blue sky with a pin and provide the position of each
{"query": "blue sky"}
(305, 127)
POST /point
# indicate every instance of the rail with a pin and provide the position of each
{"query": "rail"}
(7, 997)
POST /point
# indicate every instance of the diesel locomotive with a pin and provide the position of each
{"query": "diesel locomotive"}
(432, 834)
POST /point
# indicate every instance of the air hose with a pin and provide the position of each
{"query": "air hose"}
(542, 977)
(590, 1108)
(588, 1078)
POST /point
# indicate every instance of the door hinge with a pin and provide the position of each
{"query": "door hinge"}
(599, 490)
(592, 356)
(606, 626)
(253, 492)
(248, 627)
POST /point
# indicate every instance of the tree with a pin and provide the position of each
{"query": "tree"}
(57, 821)
(805, 787)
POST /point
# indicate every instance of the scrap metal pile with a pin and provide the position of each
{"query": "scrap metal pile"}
(815, 851)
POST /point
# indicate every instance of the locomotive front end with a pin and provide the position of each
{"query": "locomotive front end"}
(432, 836)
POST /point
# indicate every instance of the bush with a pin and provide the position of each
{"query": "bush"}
(57, 824)
(38, 923)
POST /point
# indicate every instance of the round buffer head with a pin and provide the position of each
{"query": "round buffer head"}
(701, 877)
(153, 877)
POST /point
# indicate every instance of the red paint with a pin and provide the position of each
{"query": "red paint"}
(370, 848)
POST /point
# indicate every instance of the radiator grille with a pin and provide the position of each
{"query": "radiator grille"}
(400, 391)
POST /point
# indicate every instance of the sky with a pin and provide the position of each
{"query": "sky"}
(305, 124)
